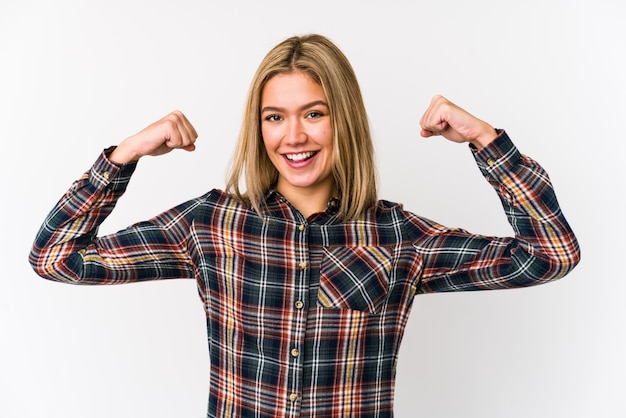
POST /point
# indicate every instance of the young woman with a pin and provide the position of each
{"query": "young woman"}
(306, 278)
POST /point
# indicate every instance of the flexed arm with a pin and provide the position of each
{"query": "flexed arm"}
(67, 247)
(544, 247)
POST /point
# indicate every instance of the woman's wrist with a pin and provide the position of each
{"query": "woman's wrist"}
(123, 154)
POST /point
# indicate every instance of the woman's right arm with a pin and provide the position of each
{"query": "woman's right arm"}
(67, 248)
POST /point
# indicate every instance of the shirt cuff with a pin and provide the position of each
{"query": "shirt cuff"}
(498, 157)
(106, 174)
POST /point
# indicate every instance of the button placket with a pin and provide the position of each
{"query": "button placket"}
(302, 271)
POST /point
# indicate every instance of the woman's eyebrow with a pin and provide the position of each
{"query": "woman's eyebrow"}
(303, 107)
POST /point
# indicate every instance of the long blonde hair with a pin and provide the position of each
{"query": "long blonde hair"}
(353, 151)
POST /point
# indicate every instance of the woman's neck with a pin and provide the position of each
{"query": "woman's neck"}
(308, 200)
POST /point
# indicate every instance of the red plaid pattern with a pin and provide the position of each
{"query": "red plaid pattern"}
(305, 316)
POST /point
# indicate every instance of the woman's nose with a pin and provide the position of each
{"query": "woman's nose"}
(296, 133)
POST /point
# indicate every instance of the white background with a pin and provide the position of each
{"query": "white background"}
(78, 76)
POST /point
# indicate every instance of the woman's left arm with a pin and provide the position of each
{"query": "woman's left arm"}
(544, 247)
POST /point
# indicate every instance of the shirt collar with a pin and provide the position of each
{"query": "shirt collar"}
(278, 206)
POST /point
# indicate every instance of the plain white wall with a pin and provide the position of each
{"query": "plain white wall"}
(78, 76)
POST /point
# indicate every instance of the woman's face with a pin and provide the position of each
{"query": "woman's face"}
(297, 133)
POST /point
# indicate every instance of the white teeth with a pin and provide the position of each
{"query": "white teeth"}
(300, 156)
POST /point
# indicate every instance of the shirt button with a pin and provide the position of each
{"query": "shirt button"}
(295, 352)
(491, 162)
(293, 397)
(299, 304)
(301, 227)
(302, 265)
(106, 175)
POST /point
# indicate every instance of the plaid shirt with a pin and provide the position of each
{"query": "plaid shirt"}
(305, 316)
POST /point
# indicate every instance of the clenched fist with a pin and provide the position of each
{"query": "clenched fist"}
(171, 132)
(455, 124)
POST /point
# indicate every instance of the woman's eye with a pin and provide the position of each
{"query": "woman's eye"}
(315, 114)
(272, 118)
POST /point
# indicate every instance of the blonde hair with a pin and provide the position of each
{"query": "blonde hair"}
(353, 151)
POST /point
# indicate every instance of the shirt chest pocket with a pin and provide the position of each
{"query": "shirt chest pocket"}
(354, 278)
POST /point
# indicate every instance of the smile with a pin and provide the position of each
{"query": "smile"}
(301, 156)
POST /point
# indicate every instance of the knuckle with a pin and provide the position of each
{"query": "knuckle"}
(169, 123)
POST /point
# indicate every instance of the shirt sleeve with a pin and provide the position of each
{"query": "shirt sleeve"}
(67, 248)
(543, 249)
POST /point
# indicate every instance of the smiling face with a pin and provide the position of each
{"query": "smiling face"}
(298, 136)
